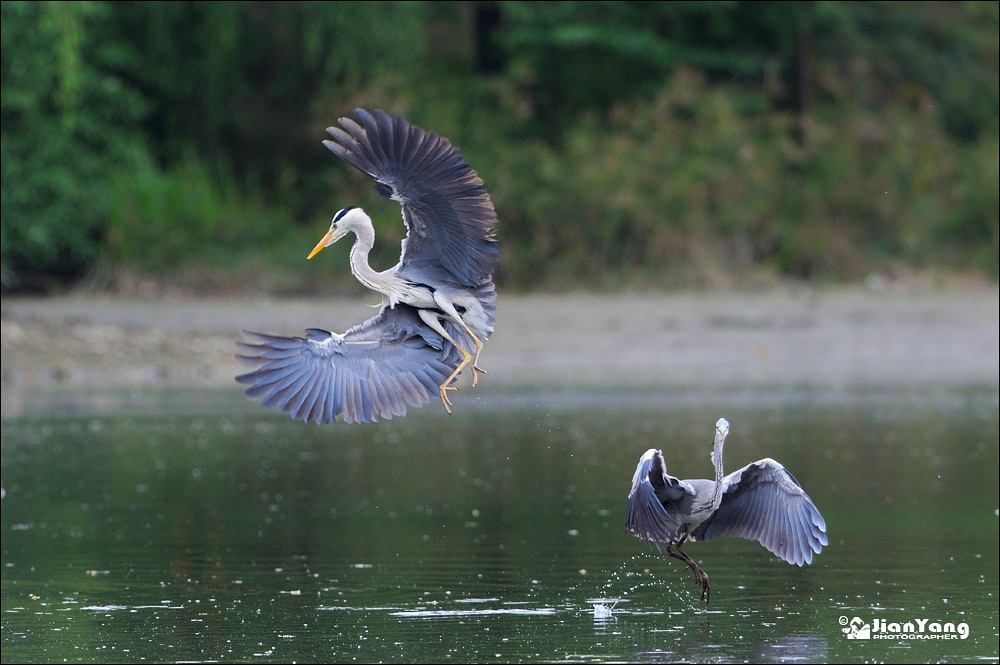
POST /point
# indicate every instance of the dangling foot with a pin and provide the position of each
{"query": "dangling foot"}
(706, 588)
(444, 397)
(446, 386)
(700, 576)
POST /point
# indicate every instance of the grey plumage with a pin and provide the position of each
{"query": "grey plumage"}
(438, 301)
(448, 214)
(372, 371)
(762, 502)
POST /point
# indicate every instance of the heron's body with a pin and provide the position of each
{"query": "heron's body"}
(467, 307)
(439, 302)
(762, 502)
(696, 504)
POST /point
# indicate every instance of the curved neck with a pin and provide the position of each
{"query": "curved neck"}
(365, 240)
(720, 440)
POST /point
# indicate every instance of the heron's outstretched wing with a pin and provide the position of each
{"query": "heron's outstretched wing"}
(372, 371)
(448, 213)
(763, 502)
(652, 489)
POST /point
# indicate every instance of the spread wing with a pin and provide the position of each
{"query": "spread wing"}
(652, 490)
(763, 502)
(372, 371)
(447, 211)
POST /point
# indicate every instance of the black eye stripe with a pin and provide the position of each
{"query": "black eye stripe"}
(343, 212)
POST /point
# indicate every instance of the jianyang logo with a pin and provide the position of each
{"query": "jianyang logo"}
(915, 629)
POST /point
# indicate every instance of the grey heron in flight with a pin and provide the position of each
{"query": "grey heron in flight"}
(438, 302)
(762, 502)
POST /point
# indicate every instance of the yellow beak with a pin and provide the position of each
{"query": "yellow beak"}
(321, 245)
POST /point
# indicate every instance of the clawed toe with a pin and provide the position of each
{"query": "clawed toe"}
(444, 397)
(706, 588)
(701, 577)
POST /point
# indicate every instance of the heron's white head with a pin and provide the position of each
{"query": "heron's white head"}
(722, 428)
(344, 221)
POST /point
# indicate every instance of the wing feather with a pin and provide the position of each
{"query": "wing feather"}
(763, 502)
(371, 372)
(448, 213)
(298, 399)
(647, 517)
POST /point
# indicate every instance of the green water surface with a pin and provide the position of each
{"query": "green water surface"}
(493, 535)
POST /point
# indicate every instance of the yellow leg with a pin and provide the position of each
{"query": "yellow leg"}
(446, 386)
(448, 308)
(475, 361)
(431, 319)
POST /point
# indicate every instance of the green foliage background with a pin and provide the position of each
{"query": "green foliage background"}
(624, 143)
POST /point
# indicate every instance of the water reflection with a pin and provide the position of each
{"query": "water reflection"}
(494, 535)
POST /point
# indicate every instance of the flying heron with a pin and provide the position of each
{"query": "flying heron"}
(438, 302)
(762, 502)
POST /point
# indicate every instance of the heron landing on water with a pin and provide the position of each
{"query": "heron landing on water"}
(761, 502)
(438, 302)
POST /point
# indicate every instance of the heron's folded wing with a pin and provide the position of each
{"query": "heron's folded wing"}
(448, 213)
(763, 502)
(372, 371)
(647, 518)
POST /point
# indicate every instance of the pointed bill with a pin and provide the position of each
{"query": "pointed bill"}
(322, 243)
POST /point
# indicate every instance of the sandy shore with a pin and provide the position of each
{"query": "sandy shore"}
(808, 339)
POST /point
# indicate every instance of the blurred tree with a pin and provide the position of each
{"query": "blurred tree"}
(581, 56)
(576, 56)
(810, 139)
(239, 81)
(67, 123)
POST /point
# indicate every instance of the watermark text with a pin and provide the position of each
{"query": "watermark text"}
(857, 628)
